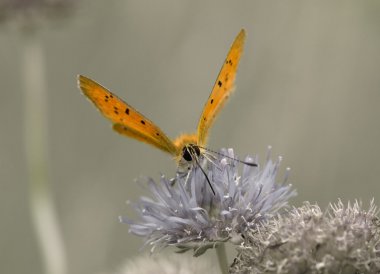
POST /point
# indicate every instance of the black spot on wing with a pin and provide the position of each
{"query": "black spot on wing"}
(142, 122)
(219, 83)
(127, 111)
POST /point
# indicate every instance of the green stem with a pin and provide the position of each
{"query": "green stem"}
(222, 258)
(43, 213)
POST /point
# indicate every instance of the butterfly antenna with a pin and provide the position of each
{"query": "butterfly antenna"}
(208, 180)
(195, 157)
(211, 158)
(221, 154)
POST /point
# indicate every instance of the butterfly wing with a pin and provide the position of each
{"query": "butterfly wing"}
(223, 87)
(127, 120)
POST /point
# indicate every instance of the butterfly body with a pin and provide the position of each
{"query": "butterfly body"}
(129, 122)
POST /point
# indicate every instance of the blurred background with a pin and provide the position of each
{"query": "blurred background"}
(308, 85)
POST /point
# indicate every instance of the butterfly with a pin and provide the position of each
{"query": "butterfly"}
(187, 147)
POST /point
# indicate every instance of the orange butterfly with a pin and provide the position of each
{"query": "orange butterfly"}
(185, 148)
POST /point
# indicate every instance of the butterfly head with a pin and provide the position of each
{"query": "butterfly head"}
(190, 152)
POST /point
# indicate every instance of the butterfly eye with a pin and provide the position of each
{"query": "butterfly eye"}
(190, 150)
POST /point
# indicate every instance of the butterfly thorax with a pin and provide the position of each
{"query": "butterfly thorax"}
(187, 147)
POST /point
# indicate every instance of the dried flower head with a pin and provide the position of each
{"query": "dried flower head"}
(344, 239)
(189, 216)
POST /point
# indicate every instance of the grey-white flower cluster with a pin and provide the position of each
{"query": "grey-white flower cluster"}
(189, 216)
(344, 239)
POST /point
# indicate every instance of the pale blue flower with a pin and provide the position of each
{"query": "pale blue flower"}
(189, 216)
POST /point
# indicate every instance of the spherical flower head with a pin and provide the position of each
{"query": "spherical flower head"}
(344, 239)
(189, 215)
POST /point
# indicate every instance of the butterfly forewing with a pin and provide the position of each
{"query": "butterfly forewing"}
(223, 87)
(127, 120)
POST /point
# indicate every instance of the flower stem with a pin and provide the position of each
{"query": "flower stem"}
(222, 258)
(43, 213)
